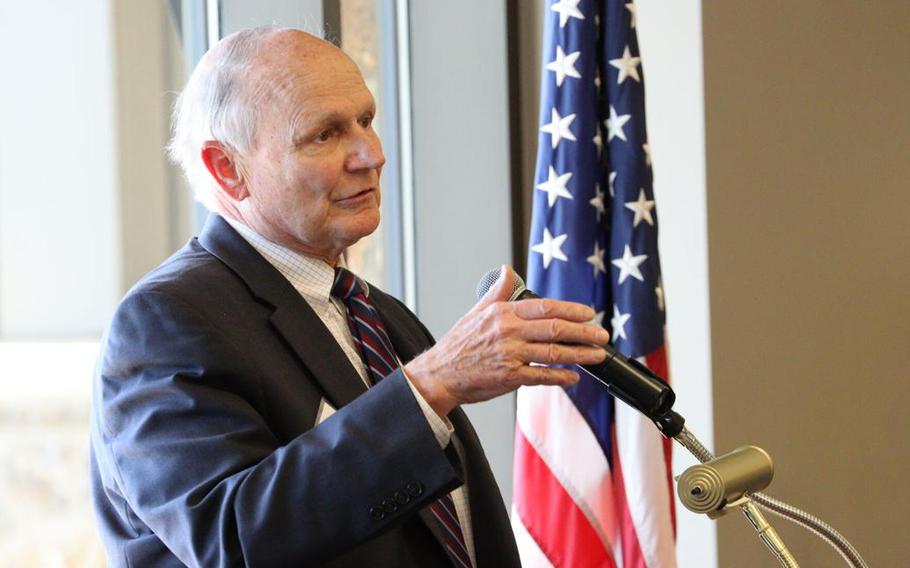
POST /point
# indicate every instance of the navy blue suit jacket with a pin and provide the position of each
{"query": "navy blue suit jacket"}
(205, 449)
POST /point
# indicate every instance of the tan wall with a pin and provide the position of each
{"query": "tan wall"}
(808, 162)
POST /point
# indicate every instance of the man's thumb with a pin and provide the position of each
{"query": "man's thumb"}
(501, 290)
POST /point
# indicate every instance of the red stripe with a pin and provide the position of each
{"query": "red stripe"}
(454, 540)
(550, 515)
(450, 521)
(374, 318)
(376, 336)
(657, 362)
(375, 352)
(448, 504)
(631, 550)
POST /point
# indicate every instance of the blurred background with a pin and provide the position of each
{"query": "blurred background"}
(780, 137)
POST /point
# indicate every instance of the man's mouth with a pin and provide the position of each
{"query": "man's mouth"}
(357, 196)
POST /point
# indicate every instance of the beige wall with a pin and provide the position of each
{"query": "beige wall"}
(808, 170)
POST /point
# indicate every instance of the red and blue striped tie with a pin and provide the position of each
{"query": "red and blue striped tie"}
(379, 356)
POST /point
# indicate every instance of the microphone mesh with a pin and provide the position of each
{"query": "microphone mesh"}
(489, 279)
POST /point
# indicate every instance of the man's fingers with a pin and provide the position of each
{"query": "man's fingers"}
(562, 331)
(539, 375)
(545, 308)
(554, 353)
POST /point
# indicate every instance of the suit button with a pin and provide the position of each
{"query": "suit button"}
(401, 497)
(376, 513)
(389, 506)
(414, 489)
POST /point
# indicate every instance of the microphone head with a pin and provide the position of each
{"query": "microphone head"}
(489, 279)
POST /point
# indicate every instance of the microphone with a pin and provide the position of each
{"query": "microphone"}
(716, 485)
(626, 379)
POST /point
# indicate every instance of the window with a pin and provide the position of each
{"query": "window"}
(89, 203)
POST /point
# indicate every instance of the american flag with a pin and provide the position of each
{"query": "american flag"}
(592, 484)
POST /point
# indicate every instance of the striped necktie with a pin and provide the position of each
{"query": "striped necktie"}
(376, 350)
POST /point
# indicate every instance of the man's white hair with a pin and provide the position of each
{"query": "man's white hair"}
(218, 103)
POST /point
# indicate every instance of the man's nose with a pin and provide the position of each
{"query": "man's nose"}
(366, 153)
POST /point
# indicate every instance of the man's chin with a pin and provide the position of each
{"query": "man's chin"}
(362, 225)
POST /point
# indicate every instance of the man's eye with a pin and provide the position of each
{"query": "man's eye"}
(366, 121)
(325, 135)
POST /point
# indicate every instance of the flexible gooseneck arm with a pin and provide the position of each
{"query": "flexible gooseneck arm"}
(767, 533)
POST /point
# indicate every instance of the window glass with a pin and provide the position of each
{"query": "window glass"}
(83, 219)
(360, 28)
(88, 203)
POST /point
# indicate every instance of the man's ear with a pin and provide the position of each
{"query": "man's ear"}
(221, 164)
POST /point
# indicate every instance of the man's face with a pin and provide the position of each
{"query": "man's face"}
(313, 178)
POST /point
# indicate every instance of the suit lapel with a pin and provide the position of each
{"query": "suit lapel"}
(408, 337)
(293, 318)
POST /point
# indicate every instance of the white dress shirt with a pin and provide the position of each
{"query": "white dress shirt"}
(313, 279)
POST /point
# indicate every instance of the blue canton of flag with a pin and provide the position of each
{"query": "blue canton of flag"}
(594, 241)
(594, 192)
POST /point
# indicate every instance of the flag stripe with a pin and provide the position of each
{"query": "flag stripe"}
(565, 442)
(642, 468)
(628, 538)
(545, 509)
(531, 554)
(657, 362)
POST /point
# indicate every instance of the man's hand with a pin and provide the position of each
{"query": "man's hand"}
(487, 352)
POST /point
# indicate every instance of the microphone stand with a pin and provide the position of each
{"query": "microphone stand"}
(672, 425)
(637, 386)
(634, 384)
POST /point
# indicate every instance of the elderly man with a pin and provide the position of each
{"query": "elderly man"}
(256, 403)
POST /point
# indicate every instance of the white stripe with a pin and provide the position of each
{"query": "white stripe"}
(564, 440)
(363, 304)
(375, 332)
(454, 538)
(644, 472)
(380, 357)
(531, 554)
(381, 337)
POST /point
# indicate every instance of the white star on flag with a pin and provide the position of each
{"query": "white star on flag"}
(599, 142)
(618, 322)
(564, 65)
(642, 209)
(615, 124)
(559, 127)
(647, 150)
(627, 65)
(598, 317)
(567, 8)
(598, 202)
(597, 259)
(612, 179)
(555, 186)
(631, 8)
(628, 265)
(550, 248)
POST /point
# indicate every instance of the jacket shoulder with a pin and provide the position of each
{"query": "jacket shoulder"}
(190, 268)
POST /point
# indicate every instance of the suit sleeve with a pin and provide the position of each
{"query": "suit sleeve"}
(186, 445)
